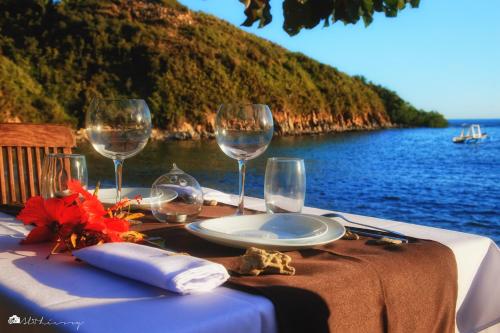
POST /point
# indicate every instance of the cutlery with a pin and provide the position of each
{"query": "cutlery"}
(378, 231)
(377, 235)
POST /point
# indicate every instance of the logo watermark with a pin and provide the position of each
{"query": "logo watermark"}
(16, 320)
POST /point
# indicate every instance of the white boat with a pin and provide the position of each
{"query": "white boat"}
(472, 135)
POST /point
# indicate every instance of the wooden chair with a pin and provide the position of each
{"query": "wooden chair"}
(22, 149)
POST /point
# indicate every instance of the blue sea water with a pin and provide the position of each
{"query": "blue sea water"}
(411, 175)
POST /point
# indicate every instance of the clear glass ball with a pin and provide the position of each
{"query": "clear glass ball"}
(176, 197)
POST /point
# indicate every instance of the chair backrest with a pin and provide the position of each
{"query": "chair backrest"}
(22, 149)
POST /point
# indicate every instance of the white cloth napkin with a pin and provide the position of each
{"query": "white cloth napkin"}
(182, 274)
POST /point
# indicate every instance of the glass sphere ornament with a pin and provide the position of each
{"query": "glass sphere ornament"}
(176, 197)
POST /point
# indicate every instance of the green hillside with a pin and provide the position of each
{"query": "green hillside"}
(55, 57)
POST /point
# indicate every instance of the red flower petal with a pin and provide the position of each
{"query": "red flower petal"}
(92, 209)
(38, 235)
(75, 187)
(95, 226)
(70, 199)
(53, 207)
(70, 215)
(34, 212)
(116, 224)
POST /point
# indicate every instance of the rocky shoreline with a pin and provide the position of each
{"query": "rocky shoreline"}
(284, 125)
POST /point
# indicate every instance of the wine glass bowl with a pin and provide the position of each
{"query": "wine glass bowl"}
(243, 132)
(118, 129)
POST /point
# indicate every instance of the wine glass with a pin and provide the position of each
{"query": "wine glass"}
(118, 129)
(58, 169)
(243, 132)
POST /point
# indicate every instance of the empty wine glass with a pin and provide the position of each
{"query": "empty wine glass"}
(118, 129)
(58, 169)
(243, 132)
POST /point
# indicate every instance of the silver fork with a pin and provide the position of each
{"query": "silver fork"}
(390, 232)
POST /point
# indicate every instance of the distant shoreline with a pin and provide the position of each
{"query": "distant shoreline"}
(186, 133)
(176, 135)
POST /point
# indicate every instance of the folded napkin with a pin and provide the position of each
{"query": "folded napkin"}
(178, 273)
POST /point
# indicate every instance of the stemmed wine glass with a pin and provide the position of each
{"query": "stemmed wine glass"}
(118, 129)
(243, 132)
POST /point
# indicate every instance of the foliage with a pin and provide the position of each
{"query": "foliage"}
(308, 14)
(21, 97)
(56, 56)
(404, 114)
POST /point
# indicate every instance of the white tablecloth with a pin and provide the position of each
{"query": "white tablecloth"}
(62, 290)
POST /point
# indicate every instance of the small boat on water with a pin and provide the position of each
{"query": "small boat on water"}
(472, 134)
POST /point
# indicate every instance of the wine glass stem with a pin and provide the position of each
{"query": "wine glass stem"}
(241, 203)
(118, 178)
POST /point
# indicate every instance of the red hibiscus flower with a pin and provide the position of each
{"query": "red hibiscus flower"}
(44, 214)
(77, 221)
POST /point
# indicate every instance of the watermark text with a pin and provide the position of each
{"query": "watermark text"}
(16, 320)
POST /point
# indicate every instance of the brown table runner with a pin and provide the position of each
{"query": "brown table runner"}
(345, 286)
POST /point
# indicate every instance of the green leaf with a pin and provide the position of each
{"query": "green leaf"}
(257, 10)
(414, 3)
(308, 14)
(367, 6)
(378, 5)
(367, 19)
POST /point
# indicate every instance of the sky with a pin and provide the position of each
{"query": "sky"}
(443, 56)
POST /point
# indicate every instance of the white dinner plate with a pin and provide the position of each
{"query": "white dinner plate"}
(108, 196)
(252, 230)
(267, 226)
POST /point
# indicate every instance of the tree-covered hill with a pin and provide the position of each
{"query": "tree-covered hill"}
(56, 56)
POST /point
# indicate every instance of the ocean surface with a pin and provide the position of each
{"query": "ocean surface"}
(409, 175)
